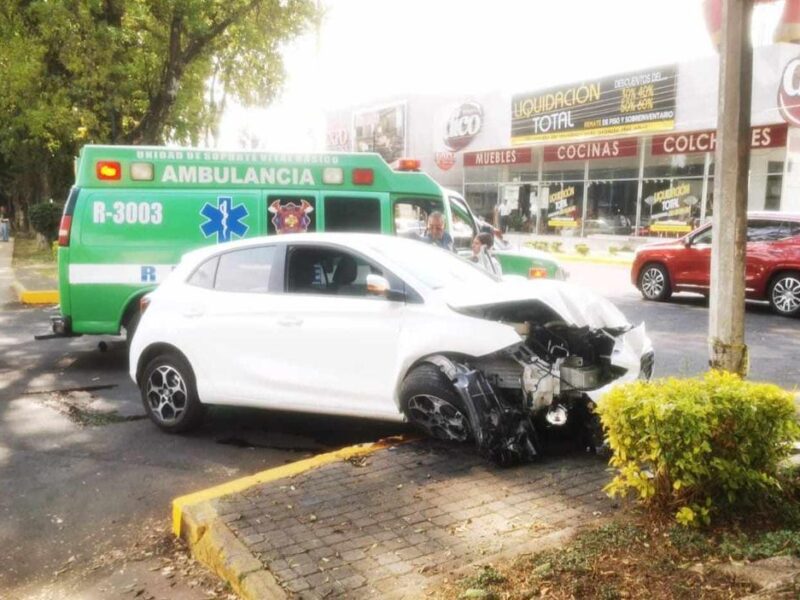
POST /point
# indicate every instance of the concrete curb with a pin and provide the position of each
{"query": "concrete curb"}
(34, 297)
(196, 521)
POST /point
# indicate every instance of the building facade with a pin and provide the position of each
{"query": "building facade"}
(627, 154)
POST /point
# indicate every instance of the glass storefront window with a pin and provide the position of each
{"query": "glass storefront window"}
(611, 196)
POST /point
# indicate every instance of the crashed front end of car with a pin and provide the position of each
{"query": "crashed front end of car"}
(573, 347)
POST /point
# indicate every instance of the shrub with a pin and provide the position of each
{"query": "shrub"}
(45, 218)
(626, 248)
(540, 246)
(582, 249)
(555, 246)
(612, 250)
(699, 447)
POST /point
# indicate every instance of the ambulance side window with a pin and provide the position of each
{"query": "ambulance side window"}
(204, 275)
(245, 270)
(352, 214)
(411, 215)
(464, 229)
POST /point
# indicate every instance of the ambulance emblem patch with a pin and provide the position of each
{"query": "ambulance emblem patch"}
(224, 220)
(291, 218)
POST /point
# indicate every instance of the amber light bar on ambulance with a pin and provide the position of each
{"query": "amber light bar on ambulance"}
(108, 170)
(408, 164)
(537, 273)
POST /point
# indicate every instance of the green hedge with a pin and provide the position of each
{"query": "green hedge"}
(699, 447)
(45, 218)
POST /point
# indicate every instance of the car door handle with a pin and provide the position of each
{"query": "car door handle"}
(290, 321)
(192, 312)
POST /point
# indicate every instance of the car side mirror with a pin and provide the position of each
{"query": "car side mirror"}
(378, 285)
(687, 241)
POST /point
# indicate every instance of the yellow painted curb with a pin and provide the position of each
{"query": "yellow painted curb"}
(39, 297)
(35, 296)
(295, 468)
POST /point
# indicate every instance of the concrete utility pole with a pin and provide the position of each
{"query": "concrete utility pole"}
(727, 349)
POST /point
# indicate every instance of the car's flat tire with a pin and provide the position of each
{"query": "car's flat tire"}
(654, 283)
(430, 402)
(784, 294)
(169, 394)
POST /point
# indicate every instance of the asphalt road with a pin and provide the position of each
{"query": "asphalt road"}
(76, 485)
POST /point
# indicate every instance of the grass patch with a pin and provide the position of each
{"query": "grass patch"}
(626, 558)
(27, 252)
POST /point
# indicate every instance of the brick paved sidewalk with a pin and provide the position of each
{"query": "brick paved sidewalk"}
(391, 524)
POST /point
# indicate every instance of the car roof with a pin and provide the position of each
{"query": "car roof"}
(773, 215)
(352, 240)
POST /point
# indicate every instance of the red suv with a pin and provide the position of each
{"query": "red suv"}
(772, 271)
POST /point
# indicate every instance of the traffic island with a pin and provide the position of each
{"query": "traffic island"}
(385, 520)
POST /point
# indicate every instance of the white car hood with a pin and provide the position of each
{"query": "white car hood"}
(575, 304)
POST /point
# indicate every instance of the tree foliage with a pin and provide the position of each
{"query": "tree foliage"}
(128, 71)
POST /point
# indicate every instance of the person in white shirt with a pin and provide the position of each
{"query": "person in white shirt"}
(504, 210)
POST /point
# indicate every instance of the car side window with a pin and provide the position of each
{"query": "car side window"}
(766, 230)
(328, 271)
(203, 275)
(245, 270)
(704, 237)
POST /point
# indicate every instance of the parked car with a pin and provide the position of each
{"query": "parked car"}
(381, 327)
(683, 265)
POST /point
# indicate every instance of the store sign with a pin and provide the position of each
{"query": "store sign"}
(562, 209)
(338, 139)
(463, 125)
(789, 93)
(591, 150)
(444, 160)
(671, 209)
(507, 156)
(769, 136)
(632, 102)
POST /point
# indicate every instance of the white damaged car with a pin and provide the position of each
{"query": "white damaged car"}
(382, 327)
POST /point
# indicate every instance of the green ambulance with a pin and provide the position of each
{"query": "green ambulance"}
(134, 210)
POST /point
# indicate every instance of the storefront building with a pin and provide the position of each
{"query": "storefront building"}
(627, 154)
(633, 154)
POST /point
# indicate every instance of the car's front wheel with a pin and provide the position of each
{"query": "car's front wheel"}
(654, 283)
(169, 394)
(784, 294)
(431, 403)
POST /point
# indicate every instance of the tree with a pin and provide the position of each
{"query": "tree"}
(128, 71)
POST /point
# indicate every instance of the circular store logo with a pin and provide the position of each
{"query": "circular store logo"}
(463, 125)
(445, 160)
(789, 93)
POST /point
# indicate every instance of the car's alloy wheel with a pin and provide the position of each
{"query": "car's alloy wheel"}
(429, 401)
(654, 283)
(166, 395)
(169, 393)
(784, 295)
(438, 417)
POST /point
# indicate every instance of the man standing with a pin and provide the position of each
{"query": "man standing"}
(504, 210)
(436, 234)
(4, 224)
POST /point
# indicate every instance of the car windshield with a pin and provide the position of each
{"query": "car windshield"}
(434, 267)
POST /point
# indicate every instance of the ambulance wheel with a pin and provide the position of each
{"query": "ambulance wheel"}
(169, 394)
